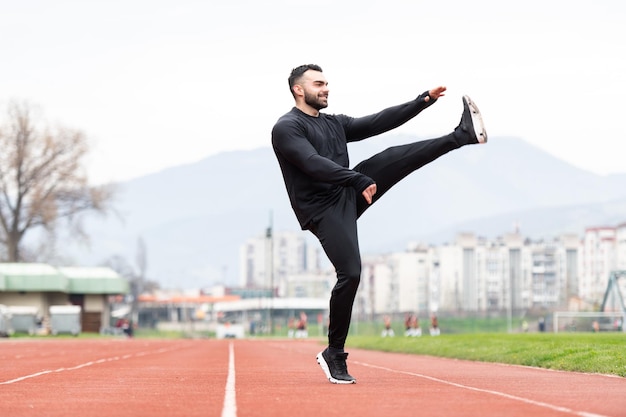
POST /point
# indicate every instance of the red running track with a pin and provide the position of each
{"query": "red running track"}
(228, 378)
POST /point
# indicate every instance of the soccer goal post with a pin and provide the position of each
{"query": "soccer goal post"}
(573, 321)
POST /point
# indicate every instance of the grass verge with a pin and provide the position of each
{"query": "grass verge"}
(602, 353)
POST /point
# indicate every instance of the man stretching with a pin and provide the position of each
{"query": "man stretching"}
(328, 197)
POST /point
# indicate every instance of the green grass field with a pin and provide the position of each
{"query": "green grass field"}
(603, 353)
(488, 340)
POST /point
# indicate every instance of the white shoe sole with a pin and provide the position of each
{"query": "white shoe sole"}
(324, 365)
(477, 121)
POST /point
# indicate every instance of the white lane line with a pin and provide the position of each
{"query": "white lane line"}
(83, 365)
(230, 403)
(498, 393)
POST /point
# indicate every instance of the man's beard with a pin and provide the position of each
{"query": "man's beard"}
(315, 101)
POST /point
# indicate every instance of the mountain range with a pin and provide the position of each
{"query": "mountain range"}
(194, 218)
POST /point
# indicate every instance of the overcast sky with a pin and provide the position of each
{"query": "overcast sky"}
(156, 84)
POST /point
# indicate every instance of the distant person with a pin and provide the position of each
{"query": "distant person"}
(328, 197)
(414, 329)
(434, 326)
(301, 329)
(387, 330)
(127, 328)
(407, 322)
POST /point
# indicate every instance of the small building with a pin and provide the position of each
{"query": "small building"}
(42, 286)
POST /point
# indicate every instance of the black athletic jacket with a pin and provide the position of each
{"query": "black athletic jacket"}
(313, 154)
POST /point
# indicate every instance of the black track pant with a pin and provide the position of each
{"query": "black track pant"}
(336, 226)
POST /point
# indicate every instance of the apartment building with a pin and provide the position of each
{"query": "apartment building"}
(285, 253)
(397, 282)
(471, 274)
(620, 242)
(599, 258)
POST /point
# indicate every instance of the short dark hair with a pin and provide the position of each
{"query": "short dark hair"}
(297, 73)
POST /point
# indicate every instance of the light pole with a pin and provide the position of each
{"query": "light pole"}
(509, 309)
(270, 270)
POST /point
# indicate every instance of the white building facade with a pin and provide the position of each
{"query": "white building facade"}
(599, 258)
(620, 242)
(285, 254)
(398, 282)
(472, 274)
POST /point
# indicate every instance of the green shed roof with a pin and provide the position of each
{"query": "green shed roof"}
(31, 277)
(35, 277)
(94, 280)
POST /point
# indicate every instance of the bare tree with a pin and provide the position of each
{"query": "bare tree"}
(42, 179)
(136, 277)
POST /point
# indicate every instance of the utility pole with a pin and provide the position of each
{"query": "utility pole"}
(509, 305)
(269, 239)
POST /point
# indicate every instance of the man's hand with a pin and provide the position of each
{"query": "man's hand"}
(436, 92)
(368, 193)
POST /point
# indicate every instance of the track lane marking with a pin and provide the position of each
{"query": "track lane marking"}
(487, 391)
(230, 402)
(84, 365)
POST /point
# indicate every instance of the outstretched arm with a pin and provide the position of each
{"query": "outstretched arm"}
(434, 94)
(392, 117)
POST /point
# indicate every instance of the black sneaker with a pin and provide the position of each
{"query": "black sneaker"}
(472, 122)
(335, 368)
